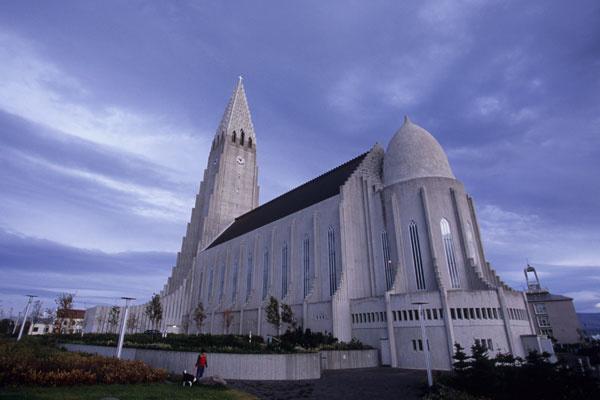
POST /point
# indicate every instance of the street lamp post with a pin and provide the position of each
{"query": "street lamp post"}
(31, 296)
(425, 342)
(123, 326)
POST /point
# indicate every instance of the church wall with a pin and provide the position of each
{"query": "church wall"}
(290, 230)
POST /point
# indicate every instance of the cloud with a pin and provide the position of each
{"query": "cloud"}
(46, 268)
(39, 91)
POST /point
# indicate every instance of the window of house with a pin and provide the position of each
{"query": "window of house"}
(394, 315)
(459, 313)
(250, 267)
(484, 313)
(306, 263)
(449, 250)
(416, 254)
(543, 321)
(332, 260)
(489, 313)
(234, 283)
(490, 344)
(428, 313)
(420, 344)
(404, 314)
(495, 313)
(478, 312)
(417, 316)
(414, 344)
(265, 287)
(242, 135)
(452, 313)
(466, 313)
(284, 270)
(435, 314)
(210, 283)
(221, 282)
(410, 315)
(233, 137)
(387, 261)
(250, 142)
(472, 313)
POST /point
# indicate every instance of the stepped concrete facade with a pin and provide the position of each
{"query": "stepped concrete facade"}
(352, 251)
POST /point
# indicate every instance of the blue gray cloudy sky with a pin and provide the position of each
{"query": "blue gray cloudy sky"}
(108, 108)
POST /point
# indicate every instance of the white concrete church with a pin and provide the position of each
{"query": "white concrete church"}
(352, 251)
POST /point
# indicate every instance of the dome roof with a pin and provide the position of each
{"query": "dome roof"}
(414, 153)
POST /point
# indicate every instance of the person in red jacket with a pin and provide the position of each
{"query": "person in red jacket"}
(201, 364)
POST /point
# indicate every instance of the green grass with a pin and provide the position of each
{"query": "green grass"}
(154, 391)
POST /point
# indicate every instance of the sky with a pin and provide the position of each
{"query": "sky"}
(108, 109)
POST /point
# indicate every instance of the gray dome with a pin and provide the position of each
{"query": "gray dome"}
(414, 153)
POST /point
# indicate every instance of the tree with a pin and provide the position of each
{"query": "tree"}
(272, 311)
(132, 322)
(199, 316)
(36, 311)
(460, 363)
(287, 315)
(113, 317)
(154, 310)
(64, 301)
(227, 319)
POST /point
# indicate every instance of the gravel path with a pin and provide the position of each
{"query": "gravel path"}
(359, 384)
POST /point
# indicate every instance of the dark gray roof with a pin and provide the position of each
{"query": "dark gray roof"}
(312, 192)
(546, 296)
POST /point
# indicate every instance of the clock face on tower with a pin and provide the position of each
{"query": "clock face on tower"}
(240, 160)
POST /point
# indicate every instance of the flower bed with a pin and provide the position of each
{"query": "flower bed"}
(39, 365)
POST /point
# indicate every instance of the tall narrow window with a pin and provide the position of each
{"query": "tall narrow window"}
(250, 267)
(387, 261)
(306, 263)
(470, 242)
(242, 134)
(284, 270)
(449, 250)
(250, 142)
(265, 286)
(233, 137)
(332, 261)
(416, 254)
(221, 283)
(210, 283)
(234, 282)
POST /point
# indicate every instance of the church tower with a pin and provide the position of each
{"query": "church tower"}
(229, 187)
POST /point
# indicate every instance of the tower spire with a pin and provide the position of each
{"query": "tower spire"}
(237, 114)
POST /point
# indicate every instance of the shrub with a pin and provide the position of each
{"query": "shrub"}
(30, 363)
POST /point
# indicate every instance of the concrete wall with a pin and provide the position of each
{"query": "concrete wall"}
(349, 359)
(245, 366)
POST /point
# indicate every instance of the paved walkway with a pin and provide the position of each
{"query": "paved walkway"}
(359, 384)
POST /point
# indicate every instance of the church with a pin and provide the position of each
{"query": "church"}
(357, 252)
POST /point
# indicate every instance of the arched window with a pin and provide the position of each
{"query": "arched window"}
(249, 274)
(234, 137)
(210, 283)
(387, 261)
(234, 283)
(416, 255)
(284, 270)
(449, 250)
(265, 286)
(332, 261)
(306, 263)
(221, 283)
(242, 134)
(250, 142)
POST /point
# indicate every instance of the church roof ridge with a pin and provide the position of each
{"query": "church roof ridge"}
(305, 195)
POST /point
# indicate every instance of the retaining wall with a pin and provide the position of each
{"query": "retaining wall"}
(297, 366)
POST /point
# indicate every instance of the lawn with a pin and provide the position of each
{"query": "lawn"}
(152, 391)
